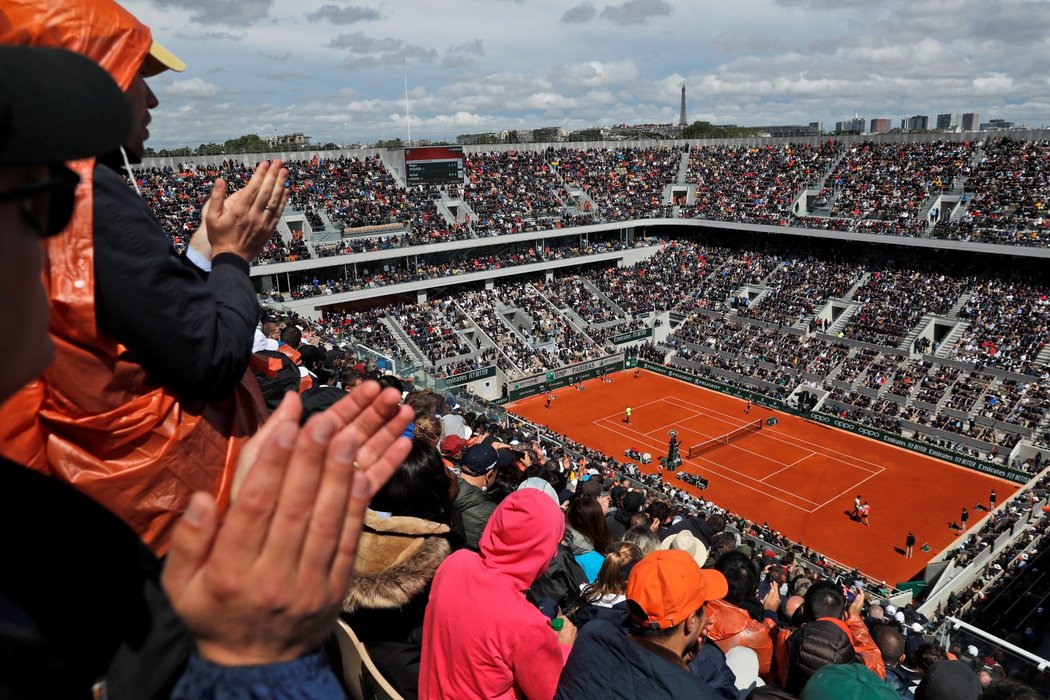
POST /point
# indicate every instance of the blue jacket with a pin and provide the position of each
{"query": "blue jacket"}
(711, 667)
(306, 678)
(606, 663)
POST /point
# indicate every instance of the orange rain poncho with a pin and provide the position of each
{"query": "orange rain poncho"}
(94, 419)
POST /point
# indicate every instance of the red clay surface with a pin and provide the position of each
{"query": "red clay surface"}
(799, 476)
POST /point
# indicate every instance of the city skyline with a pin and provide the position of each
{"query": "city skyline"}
(337, 71)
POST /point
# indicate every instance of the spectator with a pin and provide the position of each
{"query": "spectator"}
(949, 680)
(667, 596)
(605, 598)
(404, 541)
(477, 475)
(172, 376)
(891, 646)
(619, 520)
(587, 535)
(214, 575)
(643, 537)
(825, 602)
(732, 623)
(481, 637)
(845, 682)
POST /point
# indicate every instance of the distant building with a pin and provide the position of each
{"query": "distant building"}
(475, 139)
(296, 139)
(948, 122)
(819, 126)
(996, 125)
(920, 122)
(682, 122)
(879, 126)
(970, 121)
(789, 130)
(850, 126)
(548, 134)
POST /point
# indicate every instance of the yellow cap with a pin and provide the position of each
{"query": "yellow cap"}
(160, 60)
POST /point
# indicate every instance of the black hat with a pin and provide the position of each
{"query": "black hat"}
(506, 458)
(57, 106)
(633, 502)
(478, 460)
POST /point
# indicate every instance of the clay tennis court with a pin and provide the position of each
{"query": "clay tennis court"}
(799, 476)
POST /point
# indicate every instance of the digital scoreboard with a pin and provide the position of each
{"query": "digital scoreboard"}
(434, 165)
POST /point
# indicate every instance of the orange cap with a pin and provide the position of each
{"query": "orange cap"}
(667, 586)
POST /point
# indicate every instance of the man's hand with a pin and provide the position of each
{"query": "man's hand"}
(266, 585)
(567, 634)
(857, 605)
(242, 222)
(772, 599)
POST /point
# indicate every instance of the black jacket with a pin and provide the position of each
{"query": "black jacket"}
(562, 580)
(697, 526)
(191, 331)
(80, 598)
(814, 646)
(606, 663)
(618, 522)
(475, 508)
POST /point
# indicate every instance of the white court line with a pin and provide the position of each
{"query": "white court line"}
(765, 492)
(852, 488)
(623, 428)
(786, 439)
(634, 408)
(721, 416)
(768, 476)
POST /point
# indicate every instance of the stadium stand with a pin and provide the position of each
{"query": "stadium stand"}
(939, 347)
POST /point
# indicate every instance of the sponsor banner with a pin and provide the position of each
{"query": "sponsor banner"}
(848, 425)
(467, 377)
(564, 377)
(633, 335)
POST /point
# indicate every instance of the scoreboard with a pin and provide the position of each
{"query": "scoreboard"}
(434, 165)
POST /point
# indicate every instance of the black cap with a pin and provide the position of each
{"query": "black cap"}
(478, 459)
(57, 106)
(506, 458)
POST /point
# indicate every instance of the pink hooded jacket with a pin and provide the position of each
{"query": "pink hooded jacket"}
(481, 637)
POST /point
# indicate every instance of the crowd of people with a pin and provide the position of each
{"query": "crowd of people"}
(1007, 196)
(228, 484)
(869, 187)
(721, 292)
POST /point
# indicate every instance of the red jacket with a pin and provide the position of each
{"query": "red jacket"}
(733, 627)
(481, 637)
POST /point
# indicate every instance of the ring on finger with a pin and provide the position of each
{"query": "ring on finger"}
(358, 467)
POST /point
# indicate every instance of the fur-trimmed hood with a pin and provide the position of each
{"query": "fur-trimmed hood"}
(396, 561)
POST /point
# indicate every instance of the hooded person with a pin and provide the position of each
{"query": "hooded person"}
(481, 637)
(151, 347)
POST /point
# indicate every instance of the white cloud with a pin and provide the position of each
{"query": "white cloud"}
(584, 63)
(191, 87)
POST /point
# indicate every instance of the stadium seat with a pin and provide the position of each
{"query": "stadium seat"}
(360, 675)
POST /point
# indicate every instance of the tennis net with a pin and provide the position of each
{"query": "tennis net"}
(729, 437)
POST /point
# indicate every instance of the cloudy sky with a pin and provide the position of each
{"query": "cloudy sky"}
(335, 69)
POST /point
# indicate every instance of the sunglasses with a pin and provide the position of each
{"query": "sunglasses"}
(47, 205)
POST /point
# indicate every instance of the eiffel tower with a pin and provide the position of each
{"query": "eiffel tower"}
(682, 122)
